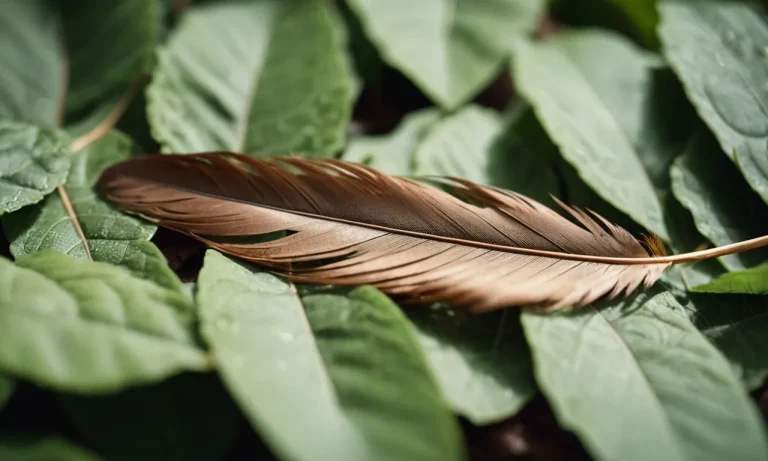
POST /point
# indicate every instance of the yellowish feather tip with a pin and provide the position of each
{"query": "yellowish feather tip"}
(655, 244)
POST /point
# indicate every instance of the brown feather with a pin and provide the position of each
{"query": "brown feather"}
(348, 224)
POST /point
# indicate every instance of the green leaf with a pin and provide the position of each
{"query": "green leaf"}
(78, 54)
(642, 357)
(43, 449)
(481, 362)
(736, 324)
(718, 51)
(7, 386)
(752, 281)
(111, 45)
(393, 153)
(168, 421)
(327, 376)
(450, 50)
(724, 208)
(591, 89)
(32, 80)
(277, 82)
(112, 236)
(476, 144)
(33, 162)
(89, 327)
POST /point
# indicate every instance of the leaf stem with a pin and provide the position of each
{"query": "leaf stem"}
(73, 218)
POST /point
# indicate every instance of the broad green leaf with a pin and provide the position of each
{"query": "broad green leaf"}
(88, 327)
(393, 153)
(97, 48)
(112, 236)
(481, 362)
(591, 90)
(724, 208)
(7, 386)
(33, 162)
(451, 50)
(327, 376)
(718, 51)
(476, 144)
(34, 67)
(736, 324)
(276, 83)
(636, 381)
(172, 420)
(43, 449)
(748, 281)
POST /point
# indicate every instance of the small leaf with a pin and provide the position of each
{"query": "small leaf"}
(718, 51)
(393, 153)
(724, 208)
(112, 236)
(477, 144)
(451, 50)
(33, 162)
(43, 449)
(326, 376)
(590, 90)
(642, 357)
(89, 327)
(736, 324)
(277, 82)
(171, 420)
(752, 281)
(481, 362)
(7, 386)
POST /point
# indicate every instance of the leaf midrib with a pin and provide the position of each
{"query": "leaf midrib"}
(670, 428)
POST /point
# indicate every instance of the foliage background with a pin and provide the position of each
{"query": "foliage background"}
(121, 341)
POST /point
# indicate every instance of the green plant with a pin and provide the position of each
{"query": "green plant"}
(121, 341)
